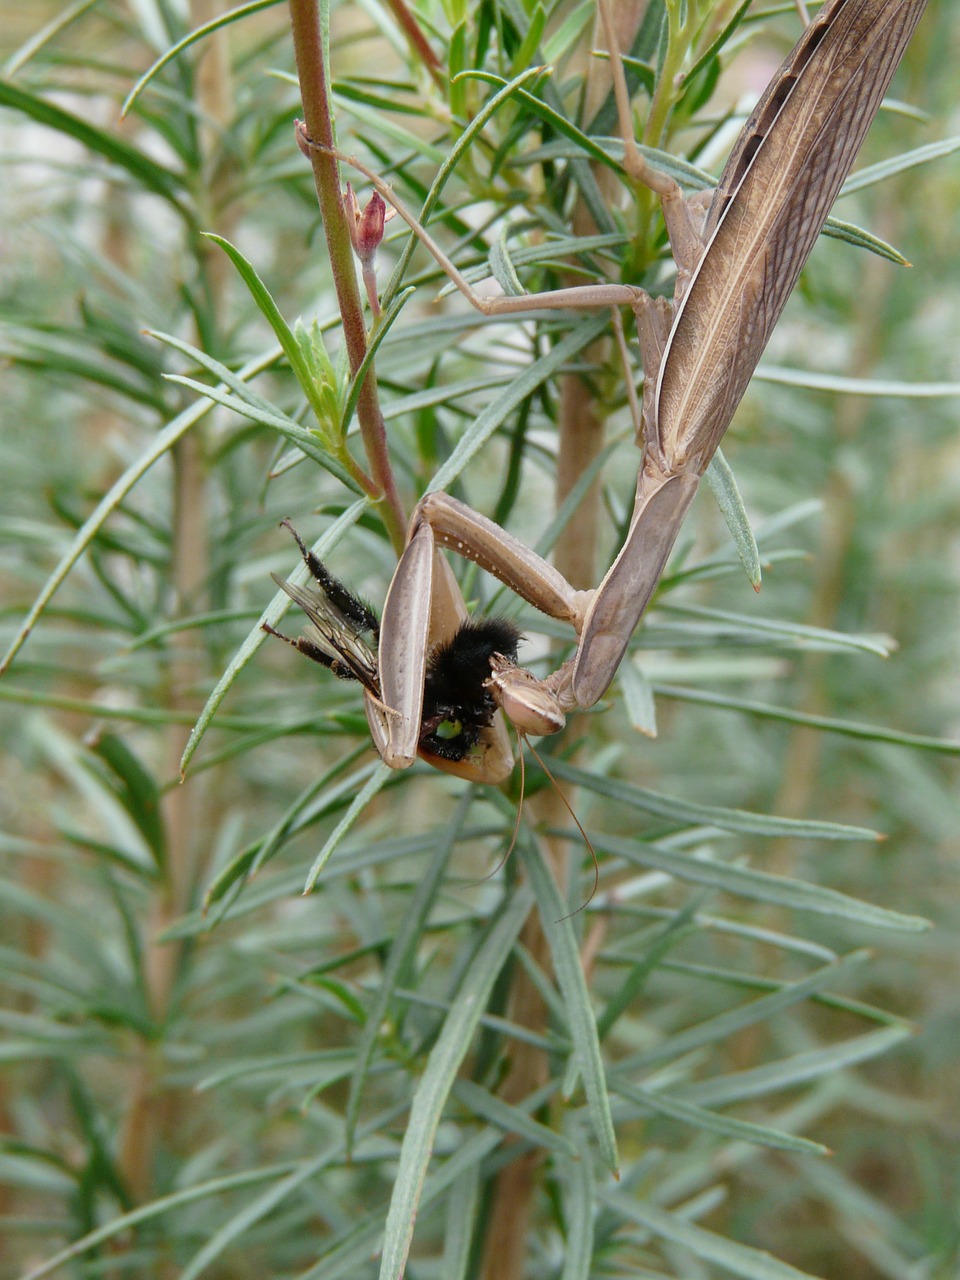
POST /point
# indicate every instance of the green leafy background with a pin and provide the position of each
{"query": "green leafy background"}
(204, 1072)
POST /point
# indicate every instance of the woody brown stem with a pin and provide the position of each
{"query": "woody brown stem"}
(305, 20)
(581, 437)
(153, 1111)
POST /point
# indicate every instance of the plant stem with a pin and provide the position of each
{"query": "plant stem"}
(308, 42)
(418, 41)
(581, 426)
(678, 38)
(154, 1111)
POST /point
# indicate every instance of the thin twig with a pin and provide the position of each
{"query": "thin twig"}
(418, 41)
(308, 40)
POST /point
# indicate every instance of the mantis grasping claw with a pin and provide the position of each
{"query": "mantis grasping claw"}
(738, 260)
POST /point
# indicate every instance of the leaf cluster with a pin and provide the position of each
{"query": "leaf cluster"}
(206, 1070)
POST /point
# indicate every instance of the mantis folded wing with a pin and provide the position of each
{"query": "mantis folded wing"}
(773, 198)
(736, 270)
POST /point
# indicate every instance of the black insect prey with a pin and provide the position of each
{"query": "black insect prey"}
(456, 704)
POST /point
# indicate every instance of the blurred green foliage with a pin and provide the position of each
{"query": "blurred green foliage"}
(203, 1072)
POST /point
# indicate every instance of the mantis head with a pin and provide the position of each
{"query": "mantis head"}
(529, 703)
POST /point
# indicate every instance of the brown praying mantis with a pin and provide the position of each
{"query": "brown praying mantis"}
(435, 683)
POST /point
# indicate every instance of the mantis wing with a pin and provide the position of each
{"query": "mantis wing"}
(772, 201)
(774, 196)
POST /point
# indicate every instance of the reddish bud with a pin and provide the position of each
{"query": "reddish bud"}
(370, 227)
(366, 225)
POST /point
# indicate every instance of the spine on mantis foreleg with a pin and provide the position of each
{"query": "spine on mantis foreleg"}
(772, 200)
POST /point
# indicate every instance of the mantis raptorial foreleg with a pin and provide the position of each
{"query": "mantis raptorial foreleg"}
(737, 262)
(442, 521)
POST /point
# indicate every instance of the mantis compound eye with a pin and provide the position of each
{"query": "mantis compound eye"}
(526, 701)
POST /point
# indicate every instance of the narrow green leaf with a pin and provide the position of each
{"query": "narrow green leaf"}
(860, 238)
(738, 1259)
(319, 796)
(798, 1069)
(388, 98)
(609, 151)
(678, 926)
(655, 1102)
(240, 1222)
(463, 1210)
(271, 313)
(502, 268)
(736, 979)
(560, 41)
(239, 385)
(804, 637)
(688, 811)
(638, 698)
(32, 46)
(797, 895)
(856, 386)
(846, 728)
(272, 615)
(578, 1008)
(146, 172)
(713, 50)
(139, 793)
(112, 499)
(723, 483)
(552, 251)
(93, 710)
(499, 409)
(528, 50)
(52, 350)
(509, 1119)
(198, 1193)
(719, 1029)
(456, 62)
(385, 127)
(198, 33)
(439, 1074)
(318, 799)
(584, 147)
(350, 1252)
(401, 952)
(578, 1195)
(374, 783)
(305, 440)
(443, 393)
(898, 164)
(199, 622)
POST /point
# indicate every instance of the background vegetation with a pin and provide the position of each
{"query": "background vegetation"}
(206, 1073)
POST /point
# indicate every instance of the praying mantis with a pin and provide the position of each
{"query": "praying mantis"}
(435, 683)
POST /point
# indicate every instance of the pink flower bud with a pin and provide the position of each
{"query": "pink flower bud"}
(366, 225)
(370, 227)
